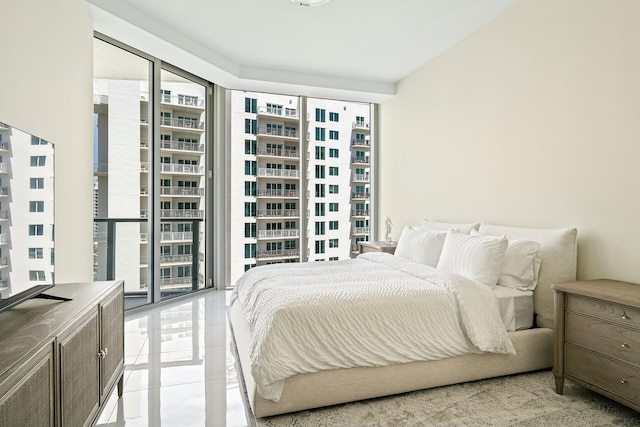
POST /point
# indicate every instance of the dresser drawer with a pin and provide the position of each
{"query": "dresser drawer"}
(604, 337)
(617, 378)
(620, 314)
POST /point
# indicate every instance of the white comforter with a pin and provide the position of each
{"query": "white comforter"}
(374, 310)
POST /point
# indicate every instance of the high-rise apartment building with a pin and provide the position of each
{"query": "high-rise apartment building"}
(300, 179)
(26, 211)
(124, 154)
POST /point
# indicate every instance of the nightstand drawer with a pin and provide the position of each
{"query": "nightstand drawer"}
(604, 337)
(616, 378)
(619, 314)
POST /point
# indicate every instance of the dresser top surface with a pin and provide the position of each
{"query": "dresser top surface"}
(609, 290)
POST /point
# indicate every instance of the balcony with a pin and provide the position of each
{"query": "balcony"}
(360, 177)
(182, 191)
(279, 193)
(275, 213)
(175, 213)
(169, 236)
(177, 122)
(171, 283)
(191, 102)
(286, 253)
(278, 111)
(172, 145)
(360, 212)
(360, 230)
(278, 173)
(4, 191)
(4, 215)
(360, 196)
(4, 146)
(277, 234)
(4, 168)
(360, 143)
(278, 132)
(277, 152)
(358, 160)
(360, 126)
(4, 285)
(170, 259)
(183, 169)
(4, 239)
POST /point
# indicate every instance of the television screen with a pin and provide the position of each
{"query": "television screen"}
(26, 215)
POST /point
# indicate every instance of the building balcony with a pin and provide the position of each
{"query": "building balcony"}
(275, 213)
(173, 283)
(360, 126)
(4, 168)
(176, 122)
(284, 253)
(4, 191)
(360, 143)
(182, 191)
(4, 239)
(360, 177)
(360, 230)
(187, 101)
(278, 132)
(358, 160)
(4, 215)
(170, 259)
(172, 145)
(170, 236)
(182, 169)
(360, 212)
(360, 196)
(4, 285)
(175, 213)
(4, 146)
(277, 111)
(278, 234)
(275, 152)
(278, 173)
(279, 193)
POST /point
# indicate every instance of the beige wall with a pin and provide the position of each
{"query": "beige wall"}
(46, 54)
(534, 120)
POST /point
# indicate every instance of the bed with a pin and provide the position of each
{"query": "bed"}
(531, 347)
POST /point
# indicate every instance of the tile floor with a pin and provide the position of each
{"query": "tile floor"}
(178, 368)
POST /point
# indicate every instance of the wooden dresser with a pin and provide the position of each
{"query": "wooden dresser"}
(597, 338)
(60, 360)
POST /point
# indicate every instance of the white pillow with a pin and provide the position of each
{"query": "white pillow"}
(419, 246)
(521, 264)
(429, 225)
(474, 257)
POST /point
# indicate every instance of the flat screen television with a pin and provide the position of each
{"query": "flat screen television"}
(26, 216)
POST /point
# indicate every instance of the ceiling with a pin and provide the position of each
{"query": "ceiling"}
(358, 46)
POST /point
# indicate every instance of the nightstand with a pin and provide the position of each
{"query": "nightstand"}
(378, 247)
(597, 338)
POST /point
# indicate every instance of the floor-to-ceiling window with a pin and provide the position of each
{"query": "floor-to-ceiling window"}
(150, 174)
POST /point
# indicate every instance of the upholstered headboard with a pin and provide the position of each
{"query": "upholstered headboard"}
(559, 255)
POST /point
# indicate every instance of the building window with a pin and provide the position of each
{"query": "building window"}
(333, 243)
(319, 171)
(250, 126)
(333, 258)
(319, 153)
(250, 209)
(320, 115)
(333, 207)
(250, 105)
(333, 225)
(250, 167)
(36, 206)
(333, 134)
(36, 230)
(319, 190)
(250, 146)
(333, 171)
(250, 250)
(248, 267)
(319, 228)
(320, 134)
(37, 141)
(250, 188)
(250, 229)
(38, 160)
(319, 209)
(334, 117)
(35, 253)
(289, 244)
(334, 152)
(319, 246)
(333, 189)
(36, 275)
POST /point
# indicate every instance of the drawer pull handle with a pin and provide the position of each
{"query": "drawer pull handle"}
(623, 381)
(625, 345)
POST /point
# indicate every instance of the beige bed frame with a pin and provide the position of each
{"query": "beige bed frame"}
(534, 347)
